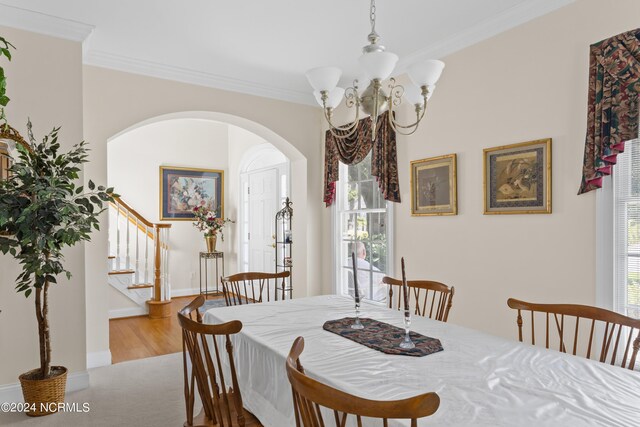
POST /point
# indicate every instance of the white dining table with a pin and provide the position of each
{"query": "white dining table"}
(482, 380)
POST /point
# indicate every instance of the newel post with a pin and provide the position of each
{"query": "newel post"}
(160, 304)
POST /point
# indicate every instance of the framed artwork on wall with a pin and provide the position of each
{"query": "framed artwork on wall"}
(182, 189)
(434, 187)
(517, 178)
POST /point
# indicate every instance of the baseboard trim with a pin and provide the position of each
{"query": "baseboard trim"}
(186, 292)
(98, 358)
(128, 312)
(12, 393)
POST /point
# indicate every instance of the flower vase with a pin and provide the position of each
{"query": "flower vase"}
(211, 242)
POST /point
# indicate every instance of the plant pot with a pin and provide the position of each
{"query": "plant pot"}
(211, 242)
(44, 395)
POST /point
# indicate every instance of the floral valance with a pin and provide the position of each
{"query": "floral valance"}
(352, 150)
(614, 87)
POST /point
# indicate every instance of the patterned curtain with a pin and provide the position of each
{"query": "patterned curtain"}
(352, 150)
(614, 87)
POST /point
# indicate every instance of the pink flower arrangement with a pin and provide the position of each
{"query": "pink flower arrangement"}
(208, 222)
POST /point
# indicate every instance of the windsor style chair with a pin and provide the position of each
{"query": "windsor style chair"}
(604, 329)
(221, 404)
(310, 395)
(248, 288)
(428, 298)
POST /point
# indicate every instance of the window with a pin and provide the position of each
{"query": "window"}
(362, 225)
(626, 182)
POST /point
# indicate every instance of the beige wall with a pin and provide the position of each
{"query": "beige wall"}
(528, 83)
(45, 84)
(115, 101)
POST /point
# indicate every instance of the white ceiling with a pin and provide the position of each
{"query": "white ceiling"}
(263, 46)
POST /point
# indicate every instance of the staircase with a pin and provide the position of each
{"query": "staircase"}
(139, 259)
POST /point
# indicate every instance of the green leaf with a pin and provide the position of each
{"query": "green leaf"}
(92, 186)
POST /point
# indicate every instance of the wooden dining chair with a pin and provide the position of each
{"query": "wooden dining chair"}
(249, 288)
(310, 395)
(604, 329)
(220, 405)
(427, 298)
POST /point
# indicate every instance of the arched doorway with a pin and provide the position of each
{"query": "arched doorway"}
(297, 164)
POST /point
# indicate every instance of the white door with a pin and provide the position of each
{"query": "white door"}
(263, 194)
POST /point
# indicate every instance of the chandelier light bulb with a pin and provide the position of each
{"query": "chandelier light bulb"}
(425, 72)
(378, 65)
(413, 94)
(335, 97)
(324, 78)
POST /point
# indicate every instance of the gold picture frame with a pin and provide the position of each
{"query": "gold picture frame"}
(183, 188)
(517, 178)
(434, 187)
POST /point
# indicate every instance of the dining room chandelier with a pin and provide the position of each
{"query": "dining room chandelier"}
(376, 65)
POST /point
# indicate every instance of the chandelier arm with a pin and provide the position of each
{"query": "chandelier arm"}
(344, 128)
(401, 129)
(419, 116)
(350, 128)
(402, 132)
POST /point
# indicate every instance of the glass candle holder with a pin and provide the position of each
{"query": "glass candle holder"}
(357, 324)
(407, 343)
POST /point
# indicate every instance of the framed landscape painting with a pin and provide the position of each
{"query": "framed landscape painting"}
(434, 186)
(182, 189)
(517, 178)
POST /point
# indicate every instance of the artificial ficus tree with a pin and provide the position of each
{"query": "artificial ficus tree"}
(42, 211)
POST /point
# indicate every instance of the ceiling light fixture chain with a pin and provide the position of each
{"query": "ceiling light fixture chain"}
(377, 65)
(372, 17)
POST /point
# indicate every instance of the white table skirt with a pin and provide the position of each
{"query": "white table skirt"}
(482, 380)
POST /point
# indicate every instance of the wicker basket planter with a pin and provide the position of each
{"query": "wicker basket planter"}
(40, 394)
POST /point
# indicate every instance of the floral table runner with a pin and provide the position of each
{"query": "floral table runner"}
(383, 337)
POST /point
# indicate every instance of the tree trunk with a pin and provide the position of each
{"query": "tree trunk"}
(46, 369)
(42, 311)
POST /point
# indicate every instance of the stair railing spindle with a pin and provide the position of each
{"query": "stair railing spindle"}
(146, 254)
(128, 244)
(137, 263)
(117, 236)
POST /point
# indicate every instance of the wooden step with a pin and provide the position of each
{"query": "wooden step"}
(140, 286)
(121, 272)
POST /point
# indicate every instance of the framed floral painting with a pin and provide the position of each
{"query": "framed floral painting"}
(517, 178)
(434, 187)
(182, 189)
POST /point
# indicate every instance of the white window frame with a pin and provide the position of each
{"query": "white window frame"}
(336, 237)
(606, 245)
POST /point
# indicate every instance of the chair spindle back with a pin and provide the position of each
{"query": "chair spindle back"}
(427, 298)
(206, 373)
(254, 287)
(604, 330)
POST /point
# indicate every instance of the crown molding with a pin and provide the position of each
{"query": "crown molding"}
(510, 18)
(29, 20)
(37, 22)
(185, 75)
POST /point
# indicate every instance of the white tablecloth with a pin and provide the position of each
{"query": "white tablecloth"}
(482, 380)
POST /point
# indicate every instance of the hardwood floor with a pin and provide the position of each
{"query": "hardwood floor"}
(139, 337)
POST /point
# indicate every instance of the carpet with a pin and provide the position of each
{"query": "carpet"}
(212, 303)
(140, 393)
